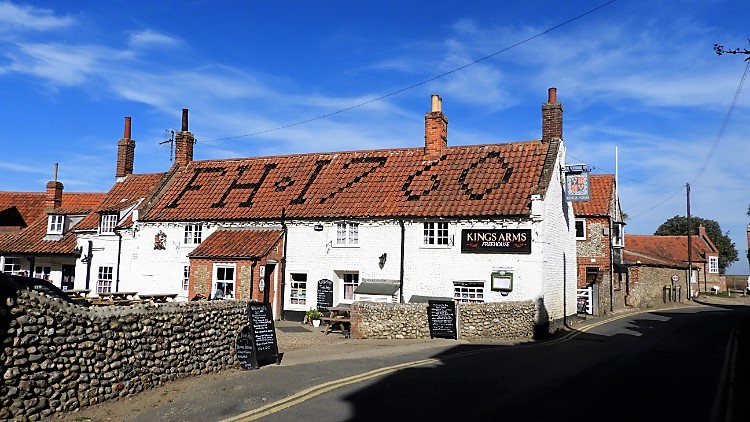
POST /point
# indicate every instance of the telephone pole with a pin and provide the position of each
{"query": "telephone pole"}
(690, 248)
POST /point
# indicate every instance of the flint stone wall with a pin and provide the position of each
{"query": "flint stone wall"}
(502, 321)
(58, 357)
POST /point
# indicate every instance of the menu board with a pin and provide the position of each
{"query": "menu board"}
(441, 317)
(245, 354)
(325, 294)
(263, 332)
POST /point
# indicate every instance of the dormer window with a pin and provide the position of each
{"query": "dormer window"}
(108, 223)
(55, 224)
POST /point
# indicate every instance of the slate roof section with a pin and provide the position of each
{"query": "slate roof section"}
(125, 194)
(601, 192)
(466, 181)
(669, 251)
(238, 244)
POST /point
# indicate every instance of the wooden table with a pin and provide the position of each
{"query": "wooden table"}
(338, 316)
(158, 297)
(114, 298)
(77, 293)
(117, 295)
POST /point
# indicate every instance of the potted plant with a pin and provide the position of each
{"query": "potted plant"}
(314, 315)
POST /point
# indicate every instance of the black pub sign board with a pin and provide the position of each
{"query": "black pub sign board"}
(496, 241)
(261, 333)
(441, 318)
(325, 294)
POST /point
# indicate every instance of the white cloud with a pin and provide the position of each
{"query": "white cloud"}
(148, 38)
(14, 17)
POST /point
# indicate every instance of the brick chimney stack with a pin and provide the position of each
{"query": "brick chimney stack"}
(435, 130)
(552, 117)
(183, 143)
(53, 196)
(125, 153)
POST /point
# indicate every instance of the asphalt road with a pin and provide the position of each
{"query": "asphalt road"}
(669, 365)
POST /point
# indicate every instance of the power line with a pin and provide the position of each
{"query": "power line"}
(399, 91)
(725, 123)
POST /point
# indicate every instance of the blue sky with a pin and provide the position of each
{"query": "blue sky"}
(639, 77)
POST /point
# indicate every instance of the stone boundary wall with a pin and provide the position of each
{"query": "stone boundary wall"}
(58, 357)
(501, 320)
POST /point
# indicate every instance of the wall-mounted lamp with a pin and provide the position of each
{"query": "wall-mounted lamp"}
(381, 260)
(79, 251)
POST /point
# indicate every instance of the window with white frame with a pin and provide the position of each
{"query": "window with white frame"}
(347, 234)
(193, 234)
(580, 229)
(42, 272)
(436, 233)
(104, 280)
(223, 281)
(468, 291)
(713, 264)
(351, 281)
(185, 278)
(298, 292)
(618, 235)
(108, 223)
(12, 265)
(55, 224)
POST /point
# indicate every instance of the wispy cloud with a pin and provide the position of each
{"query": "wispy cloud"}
(14, 17)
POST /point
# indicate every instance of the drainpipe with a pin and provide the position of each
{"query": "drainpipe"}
(252, 277)
(119, 253)
(283, 262)
(401, 275)
(611, 272)
(88, 263)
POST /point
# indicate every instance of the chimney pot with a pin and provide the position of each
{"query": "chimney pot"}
(127, 128)
(437, 103)
(184, 120)
(552, 95)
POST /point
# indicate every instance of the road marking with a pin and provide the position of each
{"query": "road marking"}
(311, 392)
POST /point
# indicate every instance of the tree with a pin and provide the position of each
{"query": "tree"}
(677, 226)
(720, 50)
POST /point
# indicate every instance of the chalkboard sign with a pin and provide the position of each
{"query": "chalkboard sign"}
(263, 333)
(325, 294)
(245, 354)
(441, 317)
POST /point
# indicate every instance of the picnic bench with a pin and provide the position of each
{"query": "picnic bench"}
(158, 297)
(340, 317)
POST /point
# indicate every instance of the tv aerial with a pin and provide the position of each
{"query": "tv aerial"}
(169, 138)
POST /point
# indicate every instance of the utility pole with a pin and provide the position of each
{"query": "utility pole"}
(690, 247)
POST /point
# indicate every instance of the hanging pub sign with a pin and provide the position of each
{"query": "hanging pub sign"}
(577, 184)
(496, 241)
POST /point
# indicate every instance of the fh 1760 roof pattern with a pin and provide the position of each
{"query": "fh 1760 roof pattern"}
(466, 181)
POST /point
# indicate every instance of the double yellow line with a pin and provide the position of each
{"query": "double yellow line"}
(311, 392)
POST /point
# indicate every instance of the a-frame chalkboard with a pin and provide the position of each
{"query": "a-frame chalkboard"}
(264, 346)
(325, 294)
(441, 317)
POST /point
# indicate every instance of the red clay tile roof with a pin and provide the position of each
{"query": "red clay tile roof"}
(30, 205)
(249, 243)
(663, 250)
(123, 195)
(601, 192)
(480, 180)
(31, 240)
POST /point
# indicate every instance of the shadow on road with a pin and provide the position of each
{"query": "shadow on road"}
(646, 370)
